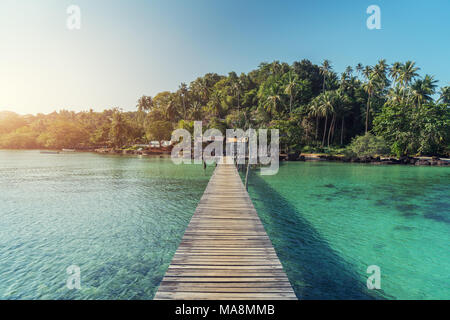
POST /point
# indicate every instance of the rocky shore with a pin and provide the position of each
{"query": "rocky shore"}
(418, 161)
(144, 152)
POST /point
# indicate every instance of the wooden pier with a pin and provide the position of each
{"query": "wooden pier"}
(225, 253)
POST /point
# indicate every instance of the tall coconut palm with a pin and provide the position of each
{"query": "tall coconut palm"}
(326, 107)
(291, 90)
(349, 71)
(394, 72)
(369, 87)
(215, 103)
(359, 68)
(275, 67)
(379, 71)
(183, 91)
(407, 73)
(145, 104)
(170, 110)
(315, 111)
(196, 111)
(395, 95)
(204, 89)
(367, 72)
(271, 103)
(325, 70)
(422, 90)
(237, 91)
(445, 95)
(342, 103)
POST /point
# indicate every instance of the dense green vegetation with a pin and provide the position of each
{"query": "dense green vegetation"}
(315, 108)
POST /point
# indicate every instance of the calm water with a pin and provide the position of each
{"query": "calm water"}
(330, 221)
(121, 218)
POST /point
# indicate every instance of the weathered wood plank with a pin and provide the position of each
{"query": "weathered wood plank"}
(225, 252)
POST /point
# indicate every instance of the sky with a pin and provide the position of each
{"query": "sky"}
(129, 48)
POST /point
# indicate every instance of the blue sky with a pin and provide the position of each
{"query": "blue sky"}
(129, 48)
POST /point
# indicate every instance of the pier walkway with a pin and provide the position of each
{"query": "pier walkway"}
(225, 253)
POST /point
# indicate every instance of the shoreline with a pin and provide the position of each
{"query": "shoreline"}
(291, 157)
(404, 160)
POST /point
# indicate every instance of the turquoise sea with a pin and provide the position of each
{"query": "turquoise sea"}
(120, 219)
(329, 221)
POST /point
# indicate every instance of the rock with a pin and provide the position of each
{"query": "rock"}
(404, 160)
(293, 157)
(394, 161)
(366, 159)
(422, 162)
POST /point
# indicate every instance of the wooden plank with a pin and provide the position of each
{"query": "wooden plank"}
(225, 252)
(226, 296)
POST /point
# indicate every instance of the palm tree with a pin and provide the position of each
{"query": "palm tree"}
(215, 103)
(184, 90)
(379, 71)
(445, 95)
(423, 89)
(145, 103)
(325, 70)
(367, 72)
(395, 95)
(349, 71)
(196, 111)
(407, 73)
(395, 71)
(204, 89)
(314, 111)
(171, 110)
(271, 103)
(290, 90)
(342, 102)
(275, 67)
(326, 107)
(359, 68)
(236, 86)
(369, 87)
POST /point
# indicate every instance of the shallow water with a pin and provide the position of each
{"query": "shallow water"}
(330, 221)
(118, 218)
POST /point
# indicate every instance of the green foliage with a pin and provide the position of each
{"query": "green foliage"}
(10, 121)
(290, 134)
(63, 134)
(187, 125)
(414, 130)
(159, 130)
(216, 123)
(22, 138)
(367, 145)
(236, 119)
(311, 105)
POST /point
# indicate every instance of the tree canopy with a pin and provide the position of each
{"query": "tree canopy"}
(312, 105)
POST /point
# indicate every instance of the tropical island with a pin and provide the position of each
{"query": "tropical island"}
(362, 112)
